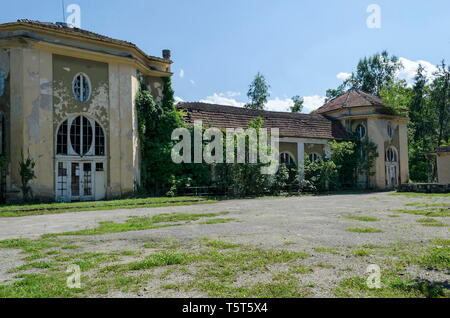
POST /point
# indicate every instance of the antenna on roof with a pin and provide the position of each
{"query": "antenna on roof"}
(63, 10)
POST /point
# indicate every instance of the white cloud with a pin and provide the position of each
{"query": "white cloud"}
(181, 73)
(343, 76)
(312, 103)
(276, 104)
(279, 105)
(410, 69)
(178, 100)
(192, 82)
(222, 99)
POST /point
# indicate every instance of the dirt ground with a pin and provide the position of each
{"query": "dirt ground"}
(315, 225)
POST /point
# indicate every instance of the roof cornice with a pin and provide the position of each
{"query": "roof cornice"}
(84, 41)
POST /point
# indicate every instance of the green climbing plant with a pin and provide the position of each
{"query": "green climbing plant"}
(26, 172)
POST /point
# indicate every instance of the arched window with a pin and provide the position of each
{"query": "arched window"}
(80, 136)
(314, 156)
(392, 155)
(286, 159)
(361, 131)
(81, 87)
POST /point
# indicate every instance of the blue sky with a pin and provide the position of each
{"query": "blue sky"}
(299, 45)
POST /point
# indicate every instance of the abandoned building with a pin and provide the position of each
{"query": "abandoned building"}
(67, 100)
(308, 134)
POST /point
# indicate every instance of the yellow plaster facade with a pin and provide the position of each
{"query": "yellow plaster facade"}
(43, 67)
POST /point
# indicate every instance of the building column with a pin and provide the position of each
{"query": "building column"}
(301, 160)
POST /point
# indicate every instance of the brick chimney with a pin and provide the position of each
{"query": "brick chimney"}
(166, 54)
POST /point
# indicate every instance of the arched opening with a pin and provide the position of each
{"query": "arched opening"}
(392, 167)
(80, 160)
(287, 159)
(314, 157)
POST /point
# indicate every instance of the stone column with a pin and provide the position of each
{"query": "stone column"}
(301, 159)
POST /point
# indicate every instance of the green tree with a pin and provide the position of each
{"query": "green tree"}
(440, 101)
(298, 104)
(372, 74)
(397, 96)
(258, 93)
(375, 72)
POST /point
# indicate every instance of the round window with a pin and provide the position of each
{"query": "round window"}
(81, 87)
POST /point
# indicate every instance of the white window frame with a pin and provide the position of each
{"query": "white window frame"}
(70, 151)
(392, 152)
(83, 77)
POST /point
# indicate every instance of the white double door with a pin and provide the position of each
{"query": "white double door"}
(80, 181)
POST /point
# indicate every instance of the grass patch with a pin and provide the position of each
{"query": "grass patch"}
(221, 245)
(432, 212)
(430, 222)
(139, 224)
(218, 221)
(161, 259)
(364, 230)
(54, 208)
(436, 257)
(392, 286)
(300, 269)
(328, 250)
(362, 218)
(361, 253)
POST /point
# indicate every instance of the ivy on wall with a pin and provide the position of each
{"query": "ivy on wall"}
(155, 125)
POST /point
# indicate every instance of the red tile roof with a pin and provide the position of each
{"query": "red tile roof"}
(353, 98)
(290, 124)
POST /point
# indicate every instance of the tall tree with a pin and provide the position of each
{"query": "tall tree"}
(298, 104)
(440, 100)
(375, 72)
(258, 93)
(372, 74)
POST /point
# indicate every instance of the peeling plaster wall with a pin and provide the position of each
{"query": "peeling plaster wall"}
(65, 69)
(124, 145)
(32, 115)
(5, 100)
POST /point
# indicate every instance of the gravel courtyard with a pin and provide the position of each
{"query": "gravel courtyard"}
(340, 236)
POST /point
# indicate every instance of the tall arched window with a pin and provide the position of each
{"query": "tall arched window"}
(361, 131)
(392, 155)
(286, 159)
(80, 136)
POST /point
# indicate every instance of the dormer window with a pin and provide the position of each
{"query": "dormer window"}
(81, 87)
